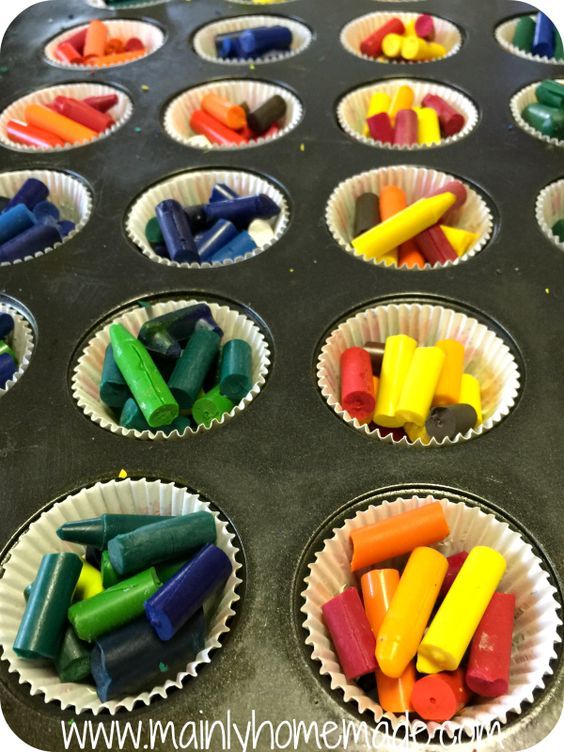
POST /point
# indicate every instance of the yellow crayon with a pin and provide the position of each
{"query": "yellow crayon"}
(415, 432)
(89, 583)
(402, 100)
(379, 102)
(410, 29)
(458, 617)
(404, 225)
(429, 130)
(470, 395)
(460, 240)
(391, 45)
(410, 609)
(415, 48)
(420, 384)
(398, 351)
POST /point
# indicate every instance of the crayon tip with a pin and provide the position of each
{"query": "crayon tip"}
(87, 532)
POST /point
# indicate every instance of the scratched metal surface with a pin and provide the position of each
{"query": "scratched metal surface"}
(287, 469)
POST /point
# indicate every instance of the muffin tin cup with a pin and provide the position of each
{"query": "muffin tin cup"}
(550, 208)
(254, 93)
(20, 567)
(486, 357)
(120, 113)
(22, 343)
(194, 188)
(518, 103)
(70, 195)
(351, 110)
(536, 618)
(141, 4)
(87, 373)
(504, 35)
(204, 45)
(446, 33)
(152, 37)
(417, 182)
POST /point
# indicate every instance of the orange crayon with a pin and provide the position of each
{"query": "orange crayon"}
(96, 38)
(59, 125)
(447, 391)
(231, 115)
(115, 58)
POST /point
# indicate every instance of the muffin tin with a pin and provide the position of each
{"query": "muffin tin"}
(286, 470)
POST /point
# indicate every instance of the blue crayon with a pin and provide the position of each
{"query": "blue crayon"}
(34, 240)
(264, 39)
(31, 193)
(544, 38)
(176, 231)
(6, 325)
(242, 211)
(226, 46)
(222, 192)
(45, 210)
(239, 246)
(8, 367)
(66, 227)
(14, 221)
(212, 241)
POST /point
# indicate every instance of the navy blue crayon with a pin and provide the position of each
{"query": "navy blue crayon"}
(132, 658)
(66, 227)
(212, 241)
(544, 38)
(196, 218)
(31, 193)
(44, 210)
(226, 45)
(4, 201)
(8, 367)
(14, 221)
(6, 325)
(171, 606)
(37, 238)
(176, 231)
(241, 211)
(239, 246)
(263, 39)
(222, 192)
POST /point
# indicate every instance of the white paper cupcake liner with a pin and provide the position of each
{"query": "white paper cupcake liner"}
(536, 618)
(351, 110)
(120, 113)
(204, 39)
(152, 37)
(417, 182)
(21, 565)
(504, 34)
(258, 2)
(22, 342)
(70, 196)
(254, 93)
(446, 33)
(486, 357)
(521, 100)
(549, 209)
(141, 4)
(193, 188)
(87, 373)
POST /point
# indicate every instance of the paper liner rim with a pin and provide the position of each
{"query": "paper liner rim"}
(539, 211)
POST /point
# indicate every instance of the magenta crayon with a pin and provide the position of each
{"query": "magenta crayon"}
(405, 133)
(455, 563)
(351, 634)
(490, 650)
(381, 128)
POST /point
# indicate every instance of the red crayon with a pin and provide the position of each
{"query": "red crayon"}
(351, 634)
(490, 650)
(372, 45)
(67, 53)
(77, 40)
(133, 43)
(381, 128)
(438, 697)
(102, 103)
(357, 386)
(22, 133)
(213, 130)
(455, 187)
(451, 121)
(406, 129)
(425, 27)
(82, 113)
(455, 563)
(434, 245)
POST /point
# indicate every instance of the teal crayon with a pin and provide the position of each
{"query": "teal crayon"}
(98, 531)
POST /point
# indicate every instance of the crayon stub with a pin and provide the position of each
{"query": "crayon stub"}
(490, 652)
(357, 391)
(455, 563)
(440, 697)
(449, 422)
(351, 634)
(398, 352)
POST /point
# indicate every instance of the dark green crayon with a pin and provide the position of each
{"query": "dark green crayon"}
(114, 392)
(524, 33)
(558, 230)
(166, 571)
(236, 369)
(547, 120)
(113, 607)
(166, 540)
(558, 46)
(193, 365)
(132, 417)
(179, 324)
(43, 624)
(97, 531)
(153, 232)
(73, 662)
(109, 574)
(211, 405)
(550, 93)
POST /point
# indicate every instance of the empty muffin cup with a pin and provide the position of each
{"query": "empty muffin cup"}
(486, 357)
(536, 624)
(550, 212)
(417, 182)
(127, 496)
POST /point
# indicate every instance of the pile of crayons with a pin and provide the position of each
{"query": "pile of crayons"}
(423, 620)
(8, 358)
(411, 233)
(227, 227)
(63, 121)
(175, 372)
(414, 391)
(538, 36)
(547, 115)
(94, 46)
(129, 614)
(411, 41)
(395, 119)
(226, 123)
